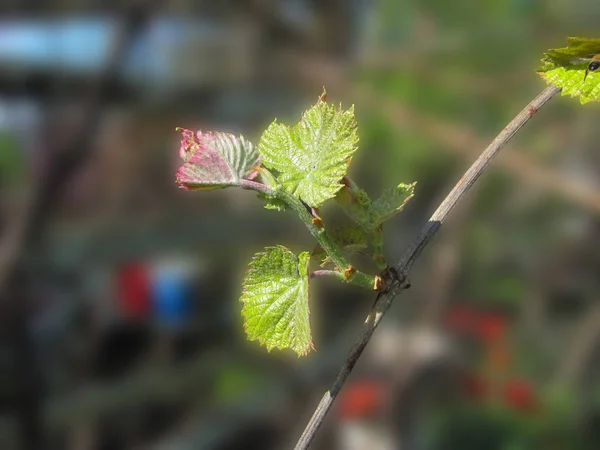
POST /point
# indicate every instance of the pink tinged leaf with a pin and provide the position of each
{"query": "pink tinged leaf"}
(215, 160)
(188, 142)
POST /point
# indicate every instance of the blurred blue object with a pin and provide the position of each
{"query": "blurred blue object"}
(171, 286)
(170, 51)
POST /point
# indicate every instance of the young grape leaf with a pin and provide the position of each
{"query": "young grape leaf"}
(391, 202)
(348, 238)
(312, 157)
(215, 160)
(356, 203)
(275, 298)
(566, 68)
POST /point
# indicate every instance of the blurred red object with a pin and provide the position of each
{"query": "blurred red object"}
(520, 395)
(487, 326)
(491, 327)
(133, 289)
(461, 319)
(361, 399)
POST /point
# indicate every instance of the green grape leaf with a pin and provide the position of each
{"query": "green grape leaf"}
(566, 68)
(391, 202)
(215, 160)
(311, 158)
(350, 239)
(275, 298)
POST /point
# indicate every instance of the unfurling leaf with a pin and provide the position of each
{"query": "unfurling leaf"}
(275, 297)
(311, 158)
(215, 160)
(350, 239)
(391, 202)
(355, 202)
(569, 68)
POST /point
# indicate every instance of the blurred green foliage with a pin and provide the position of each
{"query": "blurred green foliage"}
(12, 161)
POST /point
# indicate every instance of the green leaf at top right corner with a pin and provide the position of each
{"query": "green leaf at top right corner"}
(565, 68)
(391, 202)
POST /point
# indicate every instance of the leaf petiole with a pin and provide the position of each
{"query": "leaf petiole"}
(327, 273)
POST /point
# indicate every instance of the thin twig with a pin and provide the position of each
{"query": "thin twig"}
(384, 300)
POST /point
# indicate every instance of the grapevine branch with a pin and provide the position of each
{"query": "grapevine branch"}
(319, 233)
(317, 229)
(384, 299)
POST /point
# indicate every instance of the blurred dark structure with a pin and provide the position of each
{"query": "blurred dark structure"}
(119, 324)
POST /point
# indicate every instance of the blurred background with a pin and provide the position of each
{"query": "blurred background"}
(120, 324)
